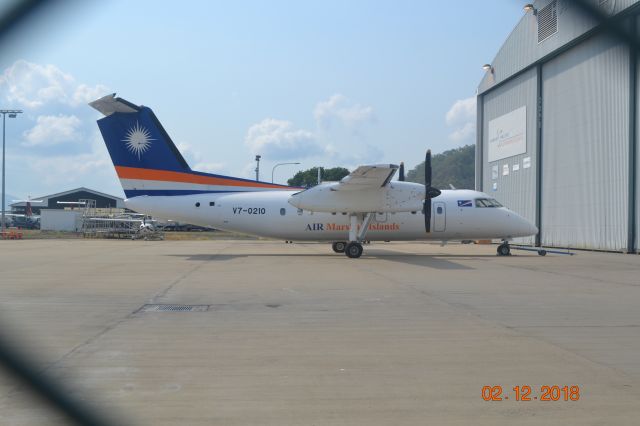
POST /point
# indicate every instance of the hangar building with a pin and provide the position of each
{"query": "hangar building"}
(59, 200)
(557, 123)
(61, 211)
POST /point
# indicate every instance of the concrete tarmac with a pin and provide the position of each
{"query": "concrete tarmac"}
(297, 335)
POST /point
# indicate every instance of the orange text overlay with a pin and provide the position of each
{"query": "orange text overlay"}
(532, 393)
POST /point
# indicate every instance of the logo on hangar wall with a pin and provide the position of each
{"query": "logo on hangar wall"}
(138, 140)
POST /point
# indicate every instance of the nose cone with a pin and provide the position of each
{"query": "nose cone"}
(523, 227)
(533, 230)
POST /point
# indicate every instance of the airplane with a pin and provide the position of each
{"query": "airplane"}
(366, 205)
(26, 220)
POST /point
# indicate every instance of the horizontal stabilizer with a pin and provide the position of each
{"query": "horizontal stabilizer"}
(110, 104)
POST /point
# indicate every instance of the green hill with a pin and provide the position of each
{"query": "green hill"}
(309, 177)
(455, 167)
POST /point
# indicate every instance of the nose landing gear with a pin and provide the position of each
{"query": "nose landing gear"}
(504, 249)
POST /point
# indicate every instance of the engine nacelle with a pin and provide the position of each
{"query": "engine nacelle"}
(331, 197)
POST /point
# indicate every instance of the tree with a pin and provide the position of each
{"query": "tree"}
(309, 177)
(455, 167)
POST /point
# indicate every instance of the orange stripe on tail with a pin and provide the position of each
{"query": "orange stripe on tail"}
(166, 175)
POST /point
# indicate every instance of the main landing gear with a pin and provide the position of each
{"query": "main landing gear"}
(339, 246)
(353, 250)
(504, 249)
(359, 225)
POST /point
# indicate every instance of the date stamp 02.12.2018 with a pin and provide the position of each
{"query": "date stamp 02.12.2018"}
(529, 393)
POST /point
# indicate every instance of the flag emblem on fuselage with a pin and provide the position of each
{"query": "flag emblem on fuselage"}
(465, 203)
(138, 140)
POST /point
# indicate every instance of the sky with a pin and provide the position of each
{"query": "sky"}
(324, 83)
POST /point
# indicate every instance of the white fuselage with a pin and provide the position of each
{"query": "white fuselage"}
(270, 214)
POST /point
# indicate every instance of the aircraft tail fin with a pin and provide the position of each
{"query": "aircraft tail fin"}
(148, 162)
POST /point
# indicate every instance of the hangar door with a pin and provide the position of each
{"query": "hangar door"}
(585, 146)
(516, 190)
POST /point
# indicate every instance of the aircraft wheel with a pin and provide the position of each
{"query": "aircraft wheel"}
(339, 246)
(353, 250)
(542, 252)
(504, 250)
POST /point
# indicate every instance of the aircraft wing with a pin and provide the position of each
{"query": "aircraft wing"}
(367, 177)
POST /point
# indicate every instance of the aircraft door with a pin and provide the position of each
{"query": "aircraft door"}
(439, 213)
(381, 217)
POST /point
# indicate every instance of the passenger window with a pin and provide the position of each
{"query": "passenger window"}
(283, 211)
(212, 203)
(198, 204)
(439, 210)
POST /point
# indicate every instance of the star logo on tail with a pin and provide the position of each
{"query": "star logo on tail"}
(138, 140)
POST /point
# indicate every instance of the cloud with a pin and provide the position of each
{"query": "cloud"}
(60, 145)
(53, 130)
(93, 168)
(464, 133)
(462, 111)
(462, 117)
(280, 140)
(197, 161)
(33, 85)
(58, 168)
(338, 108)
(85, 94)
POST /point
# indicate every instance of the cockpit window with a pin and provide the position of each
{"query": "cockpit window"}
(487, 202)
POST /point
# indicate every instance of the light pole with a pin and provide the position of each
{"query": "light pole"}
(258, 167)
(13, 113)
(279, 164)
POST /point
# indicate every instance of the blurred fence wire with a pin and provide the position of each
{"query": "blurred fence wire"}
(37, 381)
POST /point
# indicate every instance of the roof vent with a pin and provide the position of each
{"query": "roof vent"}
(548, 21)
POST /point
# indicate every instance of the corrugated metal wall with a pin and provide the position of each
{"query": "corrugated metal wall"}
(479, 166)
(585, 146)
(517, 190)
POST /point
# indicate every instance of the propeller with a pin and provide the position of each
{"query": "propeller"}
(430, 192)
(401, 176)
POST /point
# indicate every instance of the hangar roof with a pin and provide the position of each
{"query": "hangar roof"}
(556, 24)
(45, 198)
